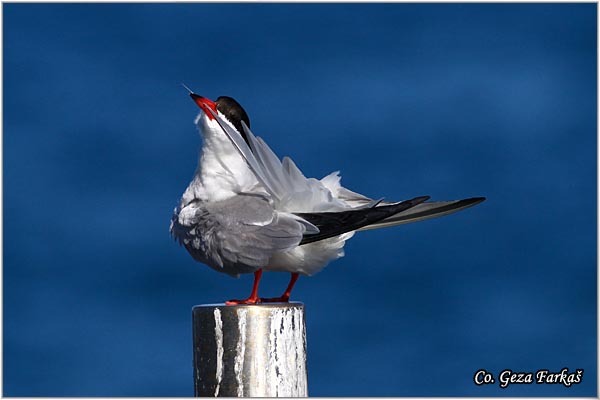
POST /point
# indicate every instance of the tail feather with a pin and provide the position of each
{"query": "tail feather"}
(332, 224)
(424, 211)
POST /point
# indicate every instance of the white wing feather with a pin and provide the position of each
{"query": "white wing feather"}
(246, 154)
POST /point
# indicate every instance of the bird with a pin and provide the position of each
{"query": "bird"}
(246, 210)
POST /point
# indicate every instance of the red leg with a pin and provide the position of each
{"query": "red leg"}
(285, 297)
(253, 299)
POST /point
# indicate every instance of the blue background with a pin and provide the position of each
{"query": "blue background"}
(450, 101)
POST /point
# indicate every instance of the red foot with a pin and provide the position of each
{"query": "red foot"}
(285, 297)
(249, 300)
(253, 299)
(281, 299)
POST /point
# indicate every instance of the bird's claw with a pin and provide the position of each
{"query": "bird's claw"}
(250, 300)
(281, 299)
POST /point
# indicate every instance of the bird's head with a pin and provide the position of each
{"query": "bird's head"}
(226, 107)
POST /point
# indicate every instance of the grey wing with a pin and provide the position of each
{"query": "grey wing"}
(237, 235)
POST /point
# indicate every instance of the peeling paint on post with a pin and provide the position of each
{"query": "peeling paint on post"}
(249, 350)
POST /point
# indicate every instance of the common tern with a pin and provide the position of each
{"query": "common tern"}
(246, 210)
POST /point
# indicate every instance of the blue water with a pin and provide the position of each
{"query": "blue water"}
(449, 100)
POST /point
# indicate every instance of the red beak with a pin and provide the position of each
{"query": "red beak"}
(205, 104)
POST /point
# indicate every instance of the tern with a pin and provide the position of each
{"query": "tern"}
(246, 210)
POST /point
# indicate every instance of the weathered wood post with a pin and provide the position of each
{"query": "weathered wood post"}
(249, 350)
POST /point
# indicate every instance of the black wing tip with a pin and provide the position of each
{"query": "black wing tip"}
(474, 200)
(470, 202)
(406, 204)
(412, 202)
(337, 223)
